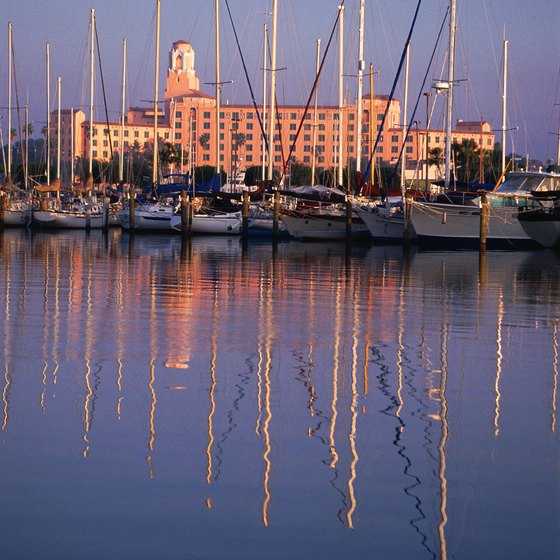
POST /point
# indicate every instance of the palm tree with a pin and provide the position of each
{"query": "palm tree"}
(437, 158)
(204, 140)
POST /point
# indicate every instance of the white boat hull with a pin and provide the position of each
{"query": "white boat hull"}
(460, 224)
(213, 224)
(148, 217)
(544, 227)
(383, 225)
(16, 218)
(326, 228)
(61, 219)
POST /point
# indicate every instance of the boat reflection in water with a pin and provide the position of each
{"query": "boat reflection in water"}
(214, 398)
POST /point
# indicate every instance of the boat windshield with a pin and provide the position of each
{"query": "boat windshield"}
(518, 183)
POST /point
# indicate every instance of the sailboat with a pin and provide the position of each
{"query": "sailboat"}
(75, 212)
(458, 223)
(16, 209)
(154, 214)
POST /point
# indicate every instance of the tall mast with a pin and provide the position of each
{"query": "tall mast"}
(265, 80)
(72, 146)
(360, 88)
(91, 48)
(272, 105)
(405, 120)
(156, 95)
(451, 85)
(59, 82)
(123, 95)
(9, 173)
(26, 162)
(504, 106)
(48, 78)
(314, 155)
(372, 124)
(218, 90)
(340, 95)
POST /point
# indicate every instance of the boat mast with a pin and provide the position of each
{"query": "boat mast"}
(156, 95)
(59, 83)
(272, 116)
(372, 123)
(504, 106)
(26, 165)
(405, 121)
(340, 95)
(360, 88)
(265, 80)
(9, 172)
(123, 94)
(48, 78)
(218, 90)
(314, 155)
(450, 86)
(72, 147)
(91, 60)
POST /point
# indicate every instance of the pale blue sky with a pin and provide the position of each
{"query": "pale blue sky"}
(530, 27)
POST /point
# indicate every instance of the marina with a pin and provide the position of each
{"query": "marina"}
(209, 398)
(279, 280)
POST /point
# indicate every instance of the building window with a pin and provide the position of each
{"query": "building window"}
(126, 133)
(206, 157)
(94, 153)
(115, 144)
(178, 136)
(249, 158)
(105, 143)
(394, 149)
(206, 126)
(321, 137)
(293, 116)
(292, 137)
(178, 115)
(136, 134)
(409, 138)
(293, 126)
(94, 142)
(307, 137)
(248, 115)
(249, 126)
(394, 138)
(409, 149)
(306, 159)
(105, 154)
(277, 158)
(206, 114)
(321, 116)
(146, 134)
(249, 147)
(248, 137)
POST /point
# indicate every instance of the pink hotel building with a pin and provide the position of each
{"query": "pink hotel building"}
(189, 114)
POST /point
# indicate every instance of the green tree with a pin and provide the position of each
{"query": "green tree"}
(204, 140)
(169, 155)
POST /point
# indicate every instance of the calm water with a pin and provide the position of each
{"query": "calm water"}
(211, 401)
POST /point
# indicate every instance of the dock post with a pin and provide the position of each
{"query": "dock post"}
(245, 213)
(408, 202)
(276, 216)
(184, 214)
(3, 200)
(484, 220)
(348, 220)
(131, 204)
(105, 216)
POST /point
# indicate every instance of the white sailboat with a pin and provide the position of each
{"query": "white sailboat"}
(17, 212)
(78, 213)
(153, 215)
(458, 224)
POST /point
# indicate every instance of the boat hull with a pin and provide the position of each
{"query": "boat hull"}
(153, 218)
(322, 228)
(383, 225)
(212, 224)
(16, 218)
(542, 225)
(459, 225)
(68, 220)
